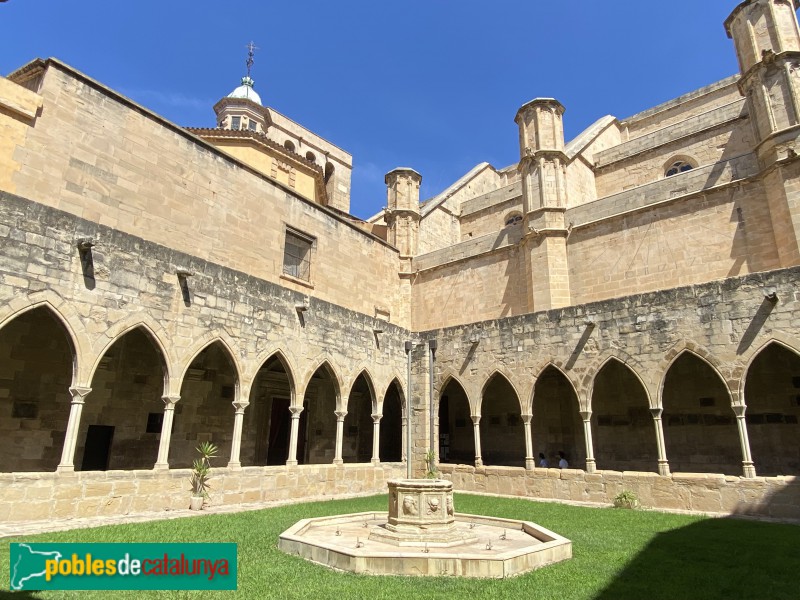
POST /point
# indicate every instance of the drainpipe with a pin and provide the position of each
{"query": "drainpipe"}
(431, 359)
(409, 473)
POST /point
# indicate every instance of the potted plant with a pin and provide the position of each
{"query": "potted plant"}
(201, 473)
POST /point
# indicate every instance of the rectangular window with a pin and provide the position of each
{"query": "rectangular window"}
(251, 125)
(297, 255)
(236, 122)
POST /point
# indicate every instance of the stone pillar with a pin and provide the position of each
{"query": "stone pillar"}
(542, 169)
(291, 461)
(586, 415)
(340, 415)
(67, 463)
(663, 465)
(162, 462)
(748, 468)
(405, 429)
(376, 439)
(530, 459)
(236, 444)
(476, 429)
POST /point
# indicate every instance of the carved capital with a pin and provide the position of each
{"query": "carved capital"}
(376, 418)
(79, 393)
(170, 400)
(656, 412)
(739, 410)
(586, 415)
(295, 410)
(340, 414)
(476, 419)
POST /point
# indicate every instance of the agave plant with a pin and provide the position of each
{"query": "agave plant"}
(201, 469)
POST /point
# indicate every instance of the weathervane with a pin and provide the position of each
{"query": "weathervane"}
(251, 50)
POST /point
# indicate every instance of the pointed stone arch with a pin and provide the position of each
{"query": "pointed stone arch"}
(771, 393)
(327, 363)
(266, 426)
(358, 428)
(39, 358)
(392, 440)
(155, 333)
(557, 425)
(547, 364)
(623, 433)
(67, 316)
(502, 428)
(499, 372)
(286, 359)
(700, 429)
(672, 356)
(212, 337)
(446, 377)
(635, 367)
(363, 369)
(625, 360)
(456, 414)
(781, 338)
(319, 421)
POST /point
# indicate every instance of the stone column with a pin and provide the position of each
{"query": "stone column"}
(749, 470)
(340, 415)
(663, 465)
(403, 443)
(292, 459)
(586, 415)
(376, 439)
(530, 460)
(67, 463)
(236, 444)
(162, 462)
(476, 422)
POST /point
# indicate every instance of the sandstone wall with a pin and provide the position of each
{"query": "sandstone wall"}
(95, 155)
(40, 496)
(777, 497)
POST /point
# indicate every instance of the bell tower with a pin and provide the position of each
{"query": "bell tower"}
(542, 168)
(767, 40)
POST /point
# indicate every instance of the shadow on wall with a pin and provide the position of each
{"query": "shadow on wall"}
(716, 558)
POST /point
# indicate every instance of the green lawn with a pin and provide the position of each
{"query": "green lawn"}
(617, 554)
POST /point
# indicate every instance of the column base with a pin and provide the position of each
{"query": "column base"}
(749, 470)
(591, 466)
(663, 468)
(161, 467)
(338, 461)
(478, 463)
(65, 469)
(376, 461)
(291, 463)
(236, 466)
(530, 464)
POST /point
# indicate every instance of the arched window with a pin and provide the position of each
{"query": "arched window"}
(513, 219)
(289, 145)
(678, 166)
(310, 156)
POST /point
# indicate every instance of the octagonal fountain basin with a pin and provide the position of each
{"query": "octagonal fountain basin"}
(425, 537)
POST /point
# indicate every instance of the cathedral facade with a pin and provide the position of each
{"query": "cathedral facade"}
(626, 300)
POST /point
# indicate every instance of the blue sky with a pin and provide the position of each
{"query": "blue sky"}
(429, 84)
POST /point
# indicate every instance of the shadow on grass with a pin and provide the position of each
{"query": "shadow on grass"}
(714, 558)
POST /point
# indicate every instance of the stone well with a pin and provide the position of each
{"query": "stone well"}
(421, 534)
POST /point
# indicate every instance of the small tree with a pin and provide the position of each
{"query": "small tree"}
(201, 470)
(430, 461)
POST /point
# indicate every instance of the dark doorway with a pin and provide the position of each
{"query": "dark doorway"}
(458, 445)
(97, 448)
(391, 443)
(278, 449)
